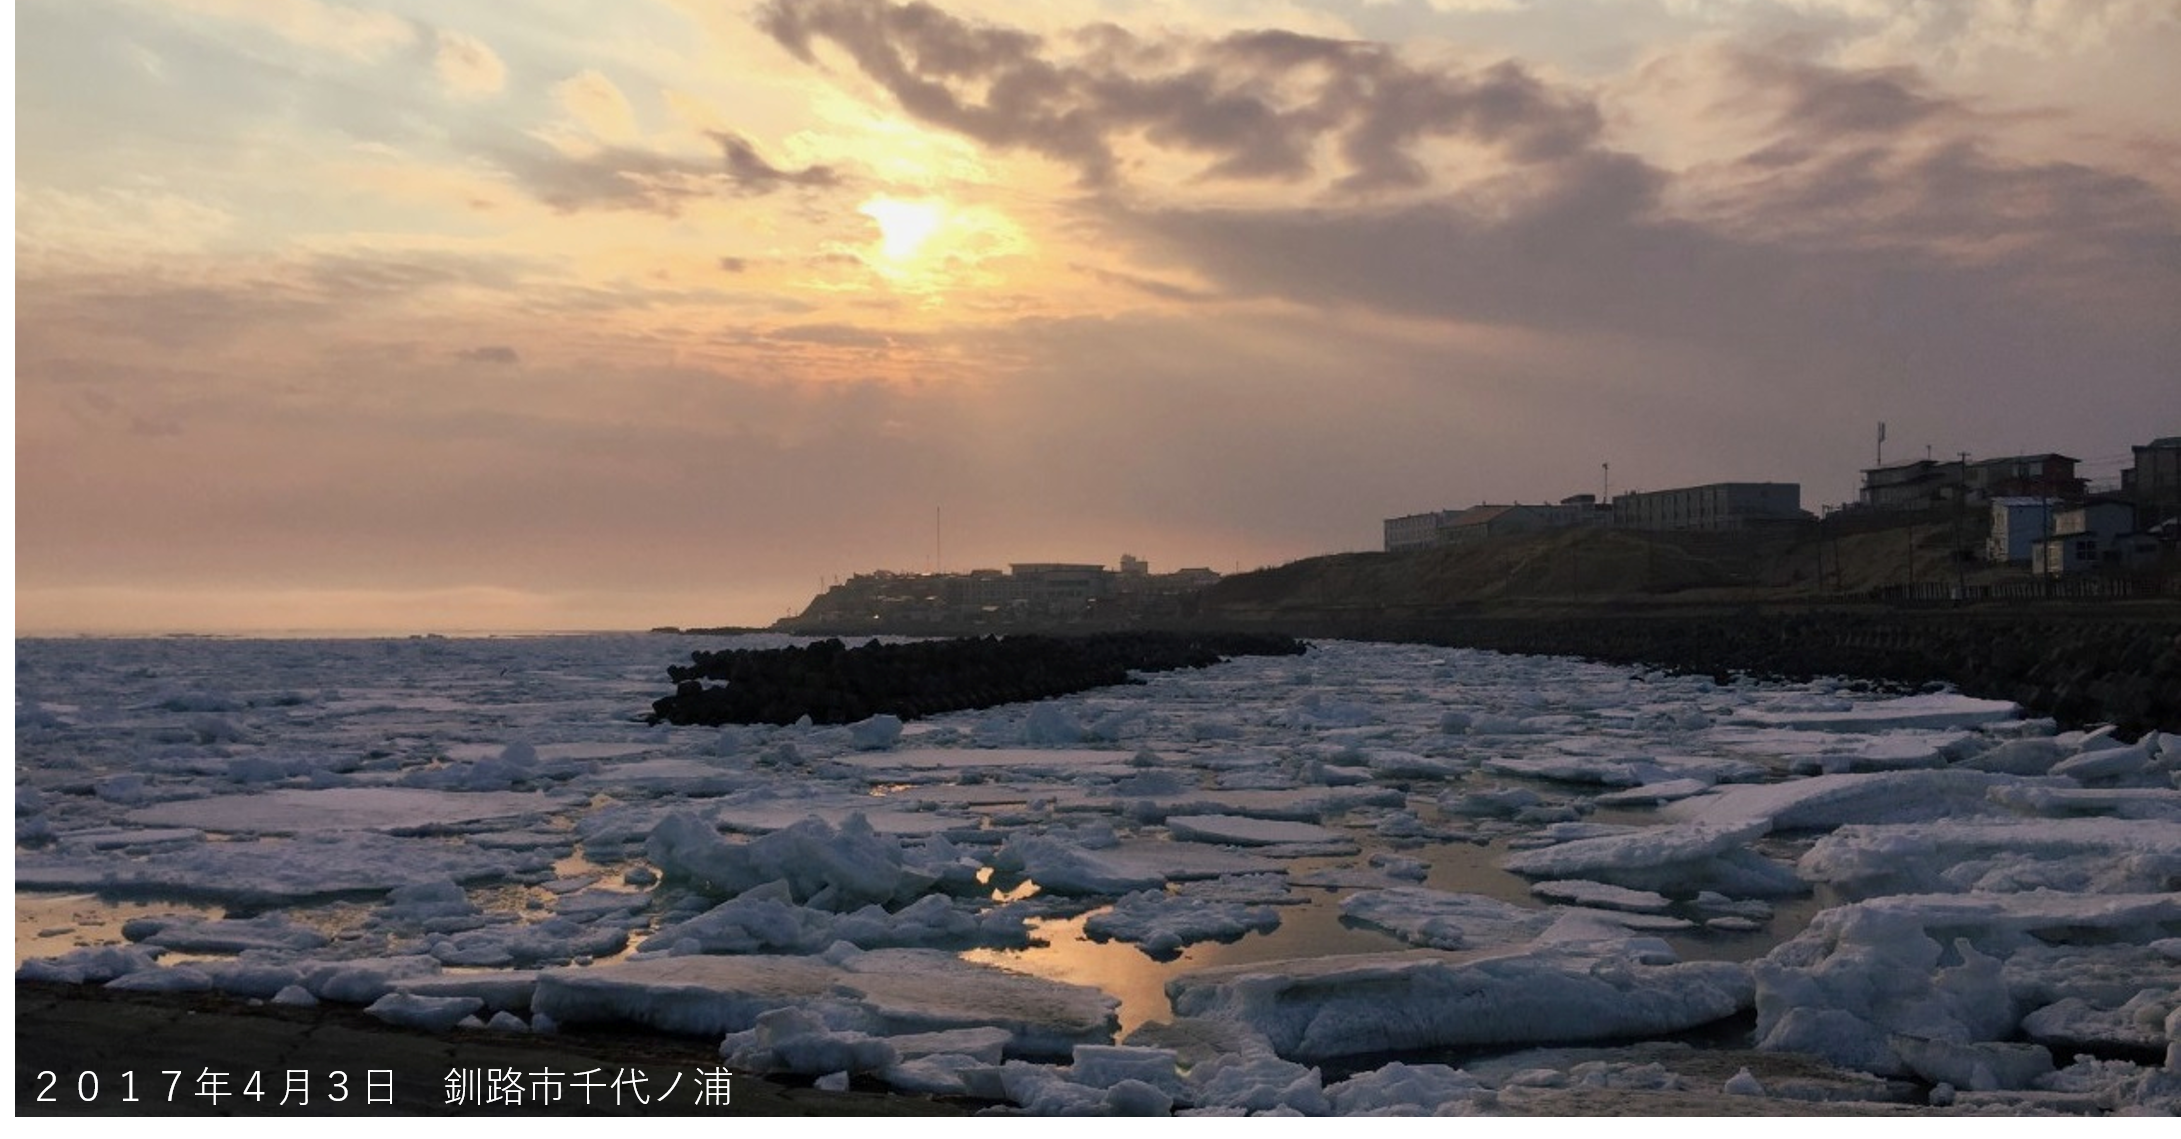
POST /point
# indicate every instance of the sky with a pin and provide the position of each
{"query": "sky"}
(595, 314)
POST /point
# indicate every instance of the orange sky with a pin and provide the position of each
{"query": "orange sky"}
(605, 315)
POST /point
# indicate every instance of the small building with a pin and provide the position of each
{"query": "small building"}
(2064, 554)
(2086, 536)
(1713, 506)
(2017, 525)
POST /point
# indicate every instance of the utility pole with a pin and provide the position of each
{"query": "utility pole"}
(938, 544)
(1912, 560)
(1961, 514)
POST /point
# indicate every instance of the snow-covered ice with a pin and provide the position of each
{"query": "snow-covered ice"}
(1175, 896)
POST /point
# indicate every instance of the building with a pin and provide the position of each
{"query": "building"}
(1480, 522)
(2153, 482)
(2086, 536)
(1916, 485)
(1416, 531)
(1459, 527)
(1714, 506)
(1025, 592)
(2017, 525)
(2022, 476)
(1060, 587)
(1585, 510)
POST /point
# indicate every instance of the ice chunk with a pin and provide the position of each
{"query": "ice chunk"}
(1584, 893)
(1927, 967)
(2112, 856)
(1354, 1005)
(1688, 856)
(1822, 802)
(1239, 831)
(1162, 924)
(1443, 920)
(884, 993)
(433, 1014)
(843, 869)
(1932, 710)
(394, 810)
(797, 1041)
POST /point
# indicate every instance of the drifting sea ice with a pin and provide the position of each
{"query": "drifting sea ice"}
(460, 832)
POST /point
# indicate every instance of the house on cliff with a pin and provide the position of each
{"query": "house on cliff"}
(2093, 535)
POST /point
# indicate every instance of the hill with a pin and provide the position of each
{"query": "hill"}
(1838, 561)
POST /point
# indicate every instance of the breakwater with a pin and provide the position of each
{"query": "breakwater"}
(2108, 665)
(833, 683)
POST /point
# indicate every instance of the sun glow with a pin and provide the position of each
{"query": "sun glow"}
(904, 226)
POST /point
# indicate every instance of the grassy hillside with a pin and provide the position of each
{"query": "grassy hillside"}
(1584, 568)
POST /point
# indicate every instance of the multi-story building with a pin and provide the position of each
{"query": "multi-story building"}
(1459, 527)
(2153, 482)
(2022, 476)
(1480, 522)
(1061, 587)
(1714, 506)
(1416, 531)
(1919, 484)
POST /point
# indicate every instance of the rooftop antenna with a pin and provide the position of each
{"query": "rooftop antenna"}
(1606, 484)
(1881, 444)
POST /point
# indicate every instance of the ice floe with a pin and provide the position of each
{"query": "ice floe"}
(1558, 842)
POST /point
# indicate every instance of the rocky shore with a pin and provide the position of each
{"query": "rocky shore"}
(2083, 665)
(833, 683)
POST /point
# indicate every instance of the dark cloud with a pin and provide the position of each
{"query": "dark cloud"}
(628, 178)
(201, 312)
(752, 174)
(1164, 290)
(833, 336)
(356, 278)
(1811, 98)
(734, 264)
(612, 178)
(490, 354)
(1256, 105)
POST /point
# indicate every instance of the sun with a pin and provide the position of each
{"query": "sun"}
(904, 226)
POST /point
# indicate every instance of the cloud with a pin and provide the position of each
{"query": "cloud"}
(184, 306)
(598, 105)
(467, 67)
(490, 354)
(652, 181)
(118, 224)
(833, 336)
(1258, 105)
(1815, 99)
(337, 28)
(1163, 290)
(754, 175)
(613, 177)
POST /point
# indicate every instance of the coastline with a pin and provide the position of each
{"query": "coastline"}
(72, 1029)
